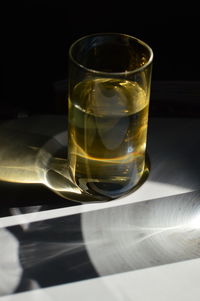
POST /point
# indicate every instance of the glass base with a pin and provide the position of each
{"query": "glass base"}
(55, 174)
(58, 179)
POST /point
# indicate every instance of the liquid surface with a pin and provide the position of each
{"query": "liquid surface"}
(107, 135)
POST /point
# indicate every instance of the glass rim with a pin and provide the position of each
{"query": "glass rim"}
(126, 72)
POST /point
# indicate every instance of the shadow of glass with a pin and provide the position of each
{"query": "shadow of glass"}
(31, 152)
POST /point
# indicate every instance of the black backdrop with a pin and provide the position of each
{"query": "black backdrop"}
(36, 38)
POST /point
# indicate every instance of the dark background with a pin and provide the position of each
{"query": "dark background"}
(36, 38)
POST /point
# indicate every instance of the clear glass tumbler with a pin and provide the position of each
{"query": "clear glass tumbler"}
(109, 89)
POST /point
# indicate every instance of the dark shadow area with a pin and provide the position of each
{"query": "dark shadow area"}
(36, 37)
(173, 146)
(27, 197)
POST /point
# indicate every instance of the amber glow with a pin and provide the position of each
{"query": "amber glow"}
(32, 159)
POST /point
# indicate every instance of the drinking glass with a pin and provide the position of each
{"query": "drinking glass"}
(109, 90)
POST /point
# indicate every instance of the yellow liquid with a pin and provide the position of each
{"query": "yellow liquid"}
(107, 135)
